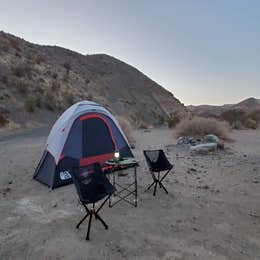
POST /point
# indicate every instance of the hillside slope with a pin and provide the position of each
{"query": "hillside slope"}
(38, 82)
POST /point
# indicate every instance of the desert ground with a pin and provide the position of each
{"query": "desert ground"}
(212, 210)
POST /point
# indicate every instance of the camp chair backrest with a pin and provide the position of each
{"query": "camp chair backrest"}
(156, 160)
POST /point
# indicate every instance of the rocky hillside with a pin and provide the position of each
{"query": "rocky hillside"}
(38, 82)
(248, 105)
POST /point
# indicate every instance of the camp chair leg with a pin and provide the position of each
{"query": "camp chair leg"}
(150, 186)
(89, 225)
(163, 187)
(101, 220)
(155, 187)
(88, 213)
(82, 220)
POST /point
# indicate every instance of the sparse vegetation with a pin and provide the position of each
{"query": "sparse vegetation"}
(143, 126)
(55, 86)
(22, 86)
(49, 101)
(250, 123)
(69, 97)
(4, 79)
(239, 119)
(173, 120)
(199, 127)
(127, 129)
(3, 120)
(30, 104)
(22, 70)
(67, 66)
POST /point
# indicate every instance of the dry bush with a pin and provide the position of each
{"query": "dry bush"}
(30, 104)
(255, 115)
(237, 125)
(4, 79)
(199, 127)
(251, 123)
(233, 115)
(12, 125)
(22, 70)
(55, 85)
(127, 129)
(22, 86)
(49, 100)
(69, 97)
(3, 120)
(173, 120)
(239, 119)
(143, 126)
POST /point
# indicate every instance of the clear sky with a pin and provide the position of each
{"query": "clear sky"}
(204, 51)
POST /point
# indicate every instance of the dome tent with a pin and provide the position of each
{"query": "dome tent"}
(87, 132)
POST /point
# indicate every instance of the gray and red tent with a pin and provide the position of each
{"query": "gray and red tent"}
(87, 132)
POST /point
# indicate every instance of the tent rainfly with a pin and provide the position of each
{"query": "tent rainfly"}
(87, 132)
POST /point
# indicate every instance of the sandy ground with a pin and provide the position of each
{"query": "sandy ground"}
(212, 210)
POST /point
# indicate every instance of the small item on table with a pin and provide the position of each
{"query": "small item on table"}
(116, 156)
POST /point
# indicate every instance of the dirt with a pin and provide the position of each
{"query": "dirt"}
(211, 212)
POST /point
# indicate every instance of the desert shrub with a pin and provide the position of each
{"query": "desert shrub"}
(173, 120)
(38, 101)
(69, 97)
(55, 85)
(39, 59)
(54, 75)
(22, 70)
(3, 120)
(255, 115)
(251, 123)
(90, 97)
(22, 86)
(143, 126)
(237, 125)
(4, 79)
(30, 104)
(161, 120)
(5, 48)
(127, 129)
(12, 125)
(233, 115)
(67, 66)
(14, 44)
(199, 127)
(49, 101)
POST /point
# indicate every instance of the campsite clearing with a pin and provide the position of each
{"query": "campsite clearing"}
(211, 212)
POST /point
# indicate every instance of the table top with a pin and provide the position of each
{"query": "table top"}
(127, 161)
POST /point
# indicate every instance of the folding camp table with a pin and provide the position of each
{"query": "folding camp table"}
(123, 192)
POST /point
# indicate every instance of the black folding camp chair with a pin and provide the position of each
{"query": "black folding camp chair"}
(157, 163)
(92, 186)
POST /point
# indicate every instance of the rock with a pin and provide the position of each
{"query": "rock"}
(205, 187)
(211, 139)
(204, 148)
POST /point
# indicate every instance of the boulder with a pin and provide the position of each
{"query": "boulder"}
(204, 148)
(211, 139)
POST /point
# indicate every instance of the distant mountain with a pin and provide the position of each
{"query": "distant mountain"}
(247, 105)
(38, 82)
